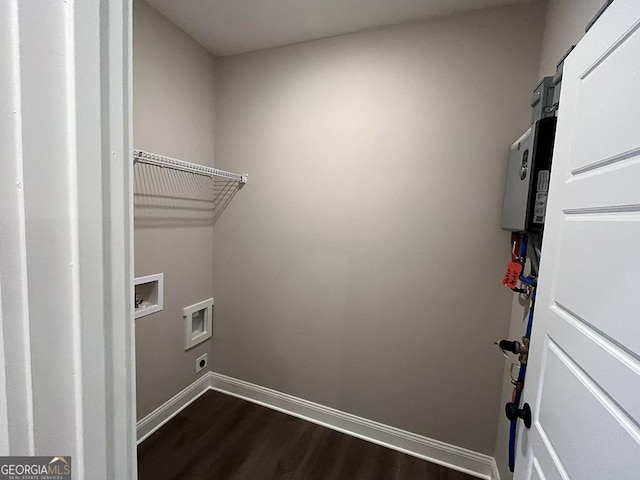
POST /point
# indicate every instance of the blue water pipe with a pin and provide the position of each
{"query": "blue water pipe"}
(521, 375)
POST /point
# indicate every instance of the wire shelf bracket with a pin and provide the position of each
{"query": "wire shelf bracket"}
(140, 156)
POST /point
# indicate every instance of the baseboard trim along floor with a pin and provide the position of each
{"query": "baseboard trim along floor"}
(165, 412)
(451, 456)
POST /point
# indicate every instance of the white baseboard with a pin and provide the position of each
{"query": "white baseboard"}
(451, 456)
(172, 407)
(435, 451)
(495, 472)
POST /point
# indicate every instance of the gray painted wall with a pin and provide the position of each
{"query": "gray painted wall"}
(564, 26)
(173, 114)
(360, 268)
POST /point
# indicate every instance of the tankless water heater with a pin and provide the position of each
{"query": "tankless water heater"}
(527, 183)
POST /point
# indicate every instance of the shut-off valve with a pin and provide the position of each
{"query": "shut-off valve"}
(517, 348)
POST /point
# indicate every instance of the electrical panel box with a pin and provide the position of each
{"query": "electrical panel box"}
(527, 183)
(542, 100)
(557, 78)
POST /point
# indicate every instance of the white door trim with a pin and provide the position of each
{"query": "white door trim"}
(66, 267)
(15, 358)
(120, 325)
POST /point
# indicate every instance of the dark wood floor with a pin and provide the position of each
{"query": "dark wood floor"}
(220, 437)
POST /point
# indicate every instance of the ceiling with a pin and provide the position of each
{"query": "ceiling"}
(227, 27)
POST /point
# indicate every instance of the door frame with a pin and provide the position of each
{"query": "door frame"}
(77, 57)
(120, 346)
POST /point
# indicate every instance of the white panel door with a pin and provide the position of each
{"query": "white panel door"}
(583, 381)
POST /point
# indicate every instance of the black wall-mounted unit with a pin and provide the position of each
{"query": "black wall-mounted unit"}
(527, 183)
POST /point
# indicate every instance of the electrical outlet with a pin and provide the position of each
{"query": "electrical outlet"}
(201, 363)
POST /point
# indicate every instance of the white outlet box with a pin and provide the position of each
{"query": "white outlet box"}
(201, 363)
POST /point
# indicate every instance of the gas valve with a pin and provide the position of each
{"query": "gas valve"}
(518, 348)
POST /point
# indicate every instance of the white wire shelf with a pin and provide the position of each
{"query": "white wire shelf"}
(140, 156)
